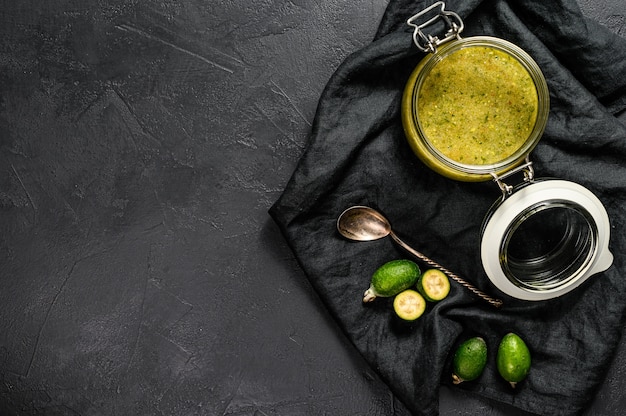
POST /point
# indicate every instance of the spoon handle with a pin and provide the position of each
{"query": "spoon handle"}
(493, 301)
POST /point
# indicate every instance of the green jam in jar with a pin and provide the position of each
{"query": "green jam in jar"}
(477, 106)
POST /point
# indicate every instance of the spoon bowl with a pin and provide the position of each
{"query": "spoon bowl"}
(362, 223)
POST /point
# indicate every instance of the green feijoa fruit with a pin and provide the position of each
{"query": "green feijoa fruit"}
(433, 285)
(513, 359)
(469, 361)
(409, 305)
(392, 278)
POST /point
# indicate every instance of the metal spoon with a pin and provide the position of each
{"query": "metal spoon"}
(362, 223)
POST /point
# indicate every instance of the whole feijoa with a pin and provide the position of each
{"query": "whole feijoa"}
(392, 278)
(513, 359)
(469, 361)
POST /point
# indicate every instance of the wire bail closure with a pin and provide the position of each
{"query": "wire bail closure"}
(427, 42)
(526, 168)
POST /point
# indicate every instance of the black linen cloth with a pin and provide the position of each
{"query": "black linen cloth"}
(357, 154)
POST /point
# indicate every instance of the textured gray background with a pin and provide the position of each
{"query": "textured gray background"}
(141, 144)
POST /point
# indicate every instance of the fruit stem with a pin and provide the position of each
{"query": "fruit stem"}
(513, 383)
(456, 379)
(369, 295)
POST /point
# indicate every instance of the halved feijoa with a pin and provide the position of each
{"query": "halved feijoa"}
(409, 305)
(433, 285)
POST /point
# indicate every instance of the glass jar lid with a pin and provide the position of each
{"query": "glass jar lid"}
(545, 239)
(475, 107)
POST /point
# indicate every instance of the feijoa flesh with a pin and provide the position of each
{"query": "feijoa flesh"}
(469, 361)
(433, 285)
(513, 359)
(392, 278)
(409, 305)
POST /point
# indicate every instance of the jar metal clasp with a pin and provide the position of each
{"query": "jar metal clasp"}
(526, 168)
(427, 42)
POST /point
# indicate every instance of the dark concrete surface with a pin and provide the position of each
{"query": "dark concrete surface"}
(141, 144)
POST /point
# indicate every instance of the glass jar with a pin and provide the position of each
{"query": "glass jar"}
(476, 107)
